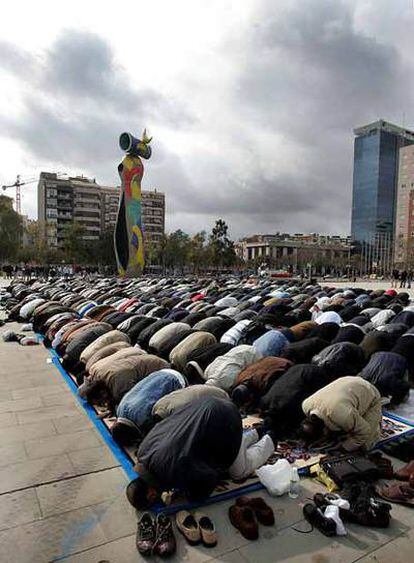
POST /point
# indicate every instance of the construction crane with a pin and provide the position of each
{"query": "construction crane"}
(17, 185)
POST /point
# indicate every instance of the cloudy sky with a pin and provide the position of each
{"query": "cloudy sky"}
(251, 103)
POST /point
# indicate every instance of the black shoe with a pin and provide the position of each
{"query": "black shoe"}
(320, 500)
(146, 533)
(314, 516)
(165, 544)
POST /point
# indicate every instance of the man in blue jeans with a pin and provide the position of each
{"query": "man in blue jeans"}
(134, 417)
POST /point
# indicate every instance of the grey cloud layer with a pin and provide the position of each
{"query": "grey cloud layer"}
(304, 74)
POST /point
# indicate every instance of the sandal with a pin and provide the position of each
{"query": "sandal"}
(400, 493)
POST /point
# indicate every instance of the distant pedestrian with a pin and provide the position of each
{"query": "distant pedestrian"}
(403, 278)
(395, 277)
(409, 279)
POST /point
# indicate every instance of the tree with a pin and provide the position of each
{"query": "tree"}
(198, 252)
(74, 245)
(102, 250)
(34, 248)
(176, 250)
(10, 229)
(221, 247)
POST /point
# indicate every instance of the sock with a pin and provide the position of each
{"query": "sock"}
(340, 503)
(332, 512)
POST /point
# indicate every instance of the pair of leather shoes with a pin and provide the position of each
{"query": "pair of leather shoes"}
(247, 512)
(196, 529)
(155, 536)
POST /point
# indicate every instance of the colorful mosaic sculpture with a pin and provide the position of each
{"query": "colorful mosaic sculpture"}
(128, 235)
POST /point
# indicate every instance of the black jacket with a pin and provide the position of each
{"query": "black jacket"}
(349, 333)
(386, 371)
(282, 404)
(343, 358)
(138, 326)
(80, 342)
(145, 335)
(405, 317)
(326, 331)
(193, 447)
(302, 352)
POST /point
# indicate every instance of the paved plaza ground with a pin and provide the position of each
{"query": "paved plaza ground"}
(62, 491)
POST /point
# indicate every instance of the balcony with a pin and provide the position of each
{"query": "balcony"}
(80, 211)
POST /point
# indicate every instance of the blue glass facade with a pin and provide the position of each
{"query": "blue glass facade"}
(365, 186)
(374, 183)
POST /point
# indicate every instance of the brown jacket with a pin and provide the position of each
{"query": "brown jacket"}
(106, 351)
(258, 377)
(127, 361)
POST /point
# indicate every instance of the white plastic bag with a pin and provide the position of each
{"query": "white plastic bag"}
(276, 478)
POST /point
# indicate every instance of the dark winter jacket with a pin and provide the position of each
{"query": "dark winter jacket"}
(80, 342)
(405, 317)
(343, 358)
(282, 404)
(386, 371)
(349, 333)
(189, 450)
(135, 329)
(216, 325)
(146, 335)
(376, 341)
(303, 351)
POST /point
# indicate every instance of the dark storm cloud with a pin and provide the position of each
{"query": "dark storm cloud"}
(309, 69)
(304, 74)
(311, 76)
(79, 102)
(308, 75)
(81, 66)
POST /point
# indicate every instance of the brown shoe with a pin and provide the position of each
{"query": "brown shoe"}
(145, 537)
(242, 518)
(188, 527)
(262, 511)
(207, 529)
(165, 544)
(405, 472)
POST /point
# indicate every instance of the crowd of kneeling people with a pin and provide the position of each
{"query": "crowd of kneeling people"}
(178, 362)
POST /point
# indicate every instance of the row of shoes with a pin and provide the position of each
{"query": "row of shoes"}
(155, 536)
(247, 513)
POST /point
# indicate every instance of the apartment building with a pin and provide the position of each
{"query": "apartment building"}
(152, 209)
(404, 217)
(65, 199)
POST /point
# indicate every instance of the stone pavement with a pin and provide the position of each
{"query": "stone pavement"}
(62, 492)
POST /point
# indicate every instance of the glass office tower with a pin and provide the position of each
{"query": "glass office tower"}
(376, 152)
